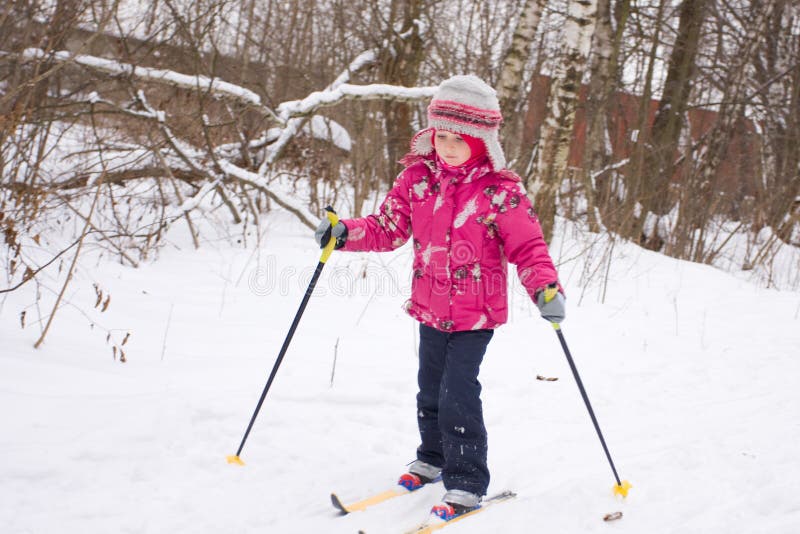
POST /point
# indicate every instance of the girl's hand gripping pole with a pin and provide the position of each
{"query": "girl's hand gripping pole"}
(334, 220)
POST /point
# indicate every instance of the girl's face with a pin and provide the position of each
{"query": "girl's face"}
(451, 148)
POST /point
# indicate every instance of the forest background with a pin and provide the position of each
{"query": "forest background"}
(671, 124)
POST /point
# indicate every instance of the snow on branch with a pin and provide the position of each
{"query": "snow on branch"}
(292, 126)
(377, 91)
(216, 87)
(362, 60)
(327, 129)
(193, 202)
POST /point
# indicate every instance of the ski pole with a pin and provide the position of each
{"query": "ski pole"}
(622, 487)
(326, 253)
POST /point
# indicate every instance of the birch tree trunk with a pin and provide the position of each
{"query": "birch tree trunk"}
(509, 87)
(602, 84)
(778, 97)
(551, 163)
(785, 212)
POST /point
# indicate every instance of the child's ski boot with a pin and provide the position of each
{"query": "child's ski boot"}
(419, 474)
(456, 503)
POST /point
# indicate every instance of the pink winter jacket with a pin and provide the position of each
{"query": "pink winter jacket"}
(465, 223)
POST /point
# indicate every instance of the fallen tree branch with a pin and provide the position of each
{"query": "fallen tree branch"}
(331, 97)
(214, 86)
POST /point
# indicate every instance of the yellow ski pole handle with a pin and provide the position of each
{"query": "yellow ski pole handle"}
(550, 293)
(328, 250)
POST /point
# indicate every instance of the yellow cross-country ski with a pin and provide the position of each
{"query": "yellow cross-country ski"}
(403, 487)
(435, 522)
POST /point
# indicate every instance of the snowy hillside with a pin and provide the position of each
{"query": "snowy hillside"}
(692, 373)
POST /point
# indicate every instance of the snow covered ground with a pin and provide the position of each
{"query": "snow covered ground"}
(692, 373)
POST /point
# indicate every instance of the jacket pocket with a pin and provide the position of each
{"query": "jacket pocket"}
(467, 287)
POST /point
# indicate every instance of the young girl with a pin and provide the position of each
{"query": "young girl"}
(467, 216)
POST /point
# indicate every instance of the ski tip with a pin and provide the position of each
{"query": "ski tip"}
(234, 459)
(337, 503)
(622, 489)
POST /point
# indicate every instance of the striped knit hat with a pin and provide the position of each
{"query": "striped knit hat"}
(464, 105)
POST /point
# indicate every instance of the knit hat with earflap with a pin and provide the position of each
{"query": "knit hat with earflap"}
(464, 105)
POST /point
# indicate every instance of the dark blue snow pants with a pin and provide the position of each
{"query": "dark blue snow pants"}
(449, 411)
